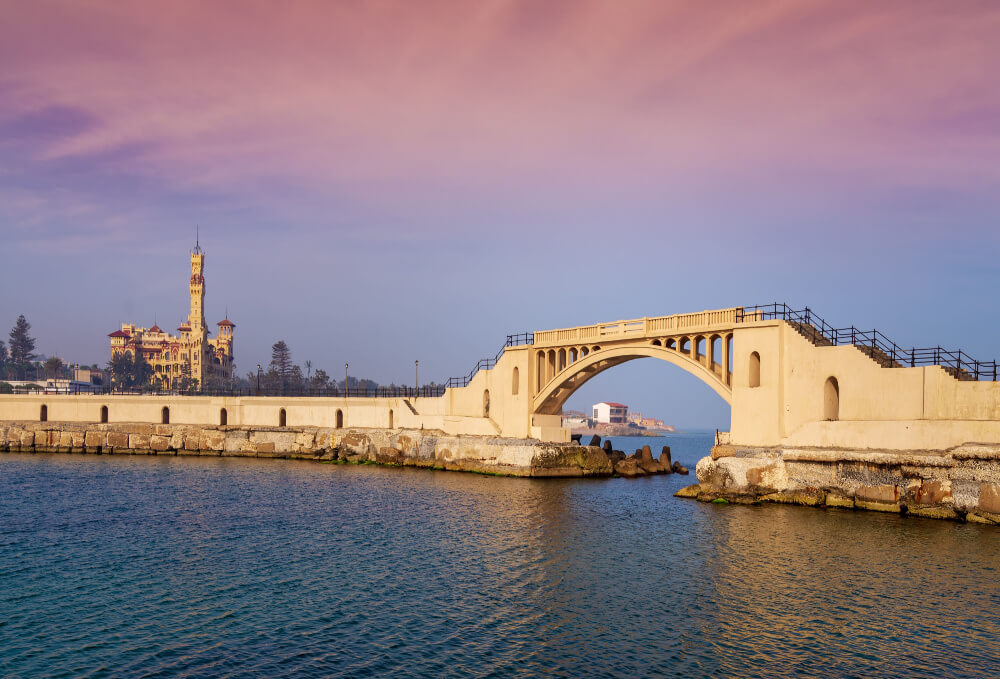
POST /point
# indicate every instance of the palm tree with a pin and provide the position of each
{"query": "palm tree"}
(53, 366)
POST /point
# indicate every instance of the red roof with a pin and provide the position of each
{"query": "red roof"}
(118, 333)
(226, 321)
(184, 326)
(614, 405)
(155, 328)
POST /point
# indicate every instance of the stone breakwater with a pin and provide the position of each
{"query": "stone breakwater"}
(960, 484)
(401, 447)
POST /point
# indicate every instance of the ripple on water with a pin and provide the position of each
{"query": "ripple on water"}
(238, 568)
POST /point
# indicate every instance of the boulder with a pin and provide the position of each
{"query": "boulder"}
(607, 445)
(688, 491)
(615, 456)
(595, 440)
(628, 467)
(646, 454)
(651, 466)
(677, 468)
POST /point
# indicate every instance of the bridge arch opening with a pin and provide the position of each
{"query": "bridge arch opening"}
(104, 414)
(165, 415)
(831, 399)
(340, 418)
(754, 370)
(43, 415)
(390, 416)
(282, 418)
(556, 392)
(223, 417)
(657, 389)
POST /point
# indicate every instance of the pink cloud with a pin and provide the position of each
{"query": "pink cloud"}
(475, 96)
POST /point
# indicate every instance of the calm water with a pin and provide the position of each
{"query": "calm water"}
(120, 566)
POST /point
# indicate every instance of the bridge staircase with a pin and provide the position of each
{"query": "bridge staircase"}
(872, 343)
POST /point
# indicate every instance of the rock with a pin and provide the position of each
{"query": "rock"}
(665, 457)
(677, 468)
(607, 445)
(651, 466)
(595, 440)
(615, 456)
(628, 467)
(691, 491)
(646, 454)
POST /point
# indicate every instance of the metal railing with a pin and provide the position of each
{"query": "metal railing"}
(874, 343)
(490, 363)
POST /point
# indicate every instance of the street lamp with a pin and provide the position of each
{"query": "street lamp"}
(258, 379)
(345, 380)
(416, 378)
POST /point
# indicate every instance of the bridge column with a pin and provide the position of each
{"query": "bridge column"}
(726, 344)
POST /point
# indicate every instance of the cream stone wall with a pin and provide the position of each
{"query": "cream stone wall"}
(920, 408)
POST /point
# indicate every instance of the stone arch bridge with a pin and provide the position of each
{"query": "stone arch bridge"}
(792, 381)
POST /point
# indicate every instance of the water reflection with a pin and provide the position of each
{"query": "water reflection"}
(217, 567)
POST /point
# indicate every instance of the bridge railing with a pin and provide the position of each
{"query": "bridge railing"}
(489, 363)
(874, 343)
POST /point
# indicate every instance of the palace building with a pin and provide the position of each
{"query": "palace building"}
(192, 354)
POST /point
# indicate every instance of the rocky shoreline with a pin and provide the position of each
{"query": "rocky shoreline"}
(960, 484)
(397, 447)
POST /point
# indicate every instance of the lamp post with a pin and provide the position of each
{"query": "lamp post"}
(258, 379)
(416, 378)
(345, 381)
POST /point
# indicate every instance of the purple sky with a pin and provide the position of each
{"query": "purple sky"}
(383, 182)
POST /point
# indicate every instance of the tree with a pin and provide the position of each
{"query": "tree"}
(130, 371)
(320, 380)
(3, 359)
(281, 365)
(22, 345)
(53, 366)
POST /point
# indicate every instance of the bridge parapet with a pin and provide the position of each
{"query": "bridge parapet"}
(643, 327)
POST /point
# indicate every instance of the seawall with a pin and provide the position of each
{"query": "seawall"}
(961, 483)
(403, 447)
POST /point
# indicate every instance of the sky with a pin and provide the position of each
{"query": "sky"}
(383, 182)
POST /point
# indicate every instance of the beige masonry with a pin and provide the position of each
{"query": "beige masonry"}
(784, 391)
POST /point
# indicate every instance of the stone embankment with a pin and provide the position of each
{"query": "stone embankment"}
(398, 447)
(401, 447)
(960, 484)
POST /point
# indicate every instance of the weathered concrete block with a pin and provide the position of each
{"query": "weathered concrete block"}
(989, 498)
(834, 499)
(138, 441)
(117, 440)
(27, 439)
(933, 492)
(932, 512)
(881, 493)
(891, 507)
(95, 439)
(213, 440)
(159, 443)
(66, 440)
